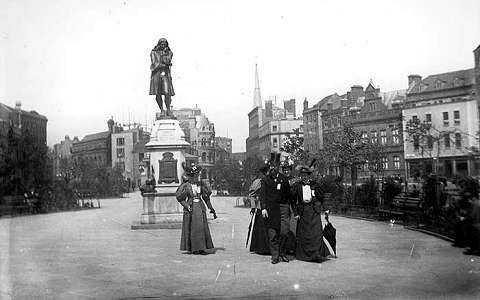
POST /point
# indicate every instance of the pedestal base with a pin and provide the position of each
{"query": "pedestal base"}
(160, 211)
(138, 225)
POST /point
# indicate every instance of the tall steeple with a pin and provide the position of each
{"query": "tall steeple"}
(257, 98)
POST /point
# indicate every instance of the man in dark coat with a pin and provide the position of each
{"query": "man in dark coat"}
(274, 202)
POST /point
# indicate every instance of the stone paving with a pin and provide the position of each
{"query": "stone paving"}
(93, 254)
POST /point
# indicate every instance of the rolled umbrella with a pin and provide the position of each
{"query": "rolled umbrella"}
(329, 234)
(250, 226)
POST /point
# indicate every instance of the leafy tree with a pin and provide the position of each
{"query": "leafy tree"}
(347, 150)
(228, 175)
(293, 145)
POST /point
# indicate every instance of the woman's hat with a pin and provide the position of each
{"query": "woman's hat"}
(192, 170)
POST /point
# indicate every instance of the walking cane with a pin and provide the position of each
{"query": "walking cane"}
(250, 226)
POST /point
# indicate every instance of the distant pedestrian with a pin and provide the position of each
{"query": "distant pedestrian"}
(193, 195)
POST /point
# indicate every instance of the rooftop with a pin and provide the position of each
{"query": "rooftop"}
(445, 81)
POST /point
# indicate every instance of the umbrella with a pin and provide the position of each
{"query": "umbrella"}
(252, 222)
(329, 233)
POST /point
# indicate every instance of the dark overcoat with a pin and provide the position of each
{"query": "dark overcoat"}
(195, 232)
(310, 243)
(275, 191)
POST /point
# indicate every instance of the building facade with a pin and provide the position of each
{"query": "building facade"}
(62, 151)
(269, 127)
(377, 116)
(95, 148)
(224, 143)
(18, 126)
(200, 133)
(381, 124)
(128, 153)
(448, 102)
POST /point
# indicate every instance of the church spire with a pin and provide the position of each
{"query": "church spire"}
(257, 99)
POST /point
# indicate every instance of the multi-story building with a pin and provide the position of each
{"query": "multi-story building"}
(128, 153)
(273, 133)
(255, 118)
(20, 124)
(95, 148)
(376, 115)
(25, 122)
(200, 133)
(224, 143)
(379, 120)
(270, 126)
(62, 151)
(314, 127)
(448, 102)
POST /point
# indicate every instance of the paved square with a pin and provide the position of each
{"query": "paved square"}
(93, 254)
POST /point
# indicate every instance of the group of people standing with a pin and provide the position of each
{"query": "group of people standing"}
(275, 198)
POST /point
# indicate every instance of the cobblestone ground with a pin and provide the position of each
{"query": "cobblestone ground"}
(93, 254)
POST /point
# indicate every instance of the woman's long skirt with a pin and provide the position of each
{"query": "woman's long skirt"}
(195, 233)
(310, 244)
(259, 243)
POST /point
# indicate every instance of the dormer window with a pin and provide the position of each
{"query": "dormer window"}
(458, 81)
(438, 84)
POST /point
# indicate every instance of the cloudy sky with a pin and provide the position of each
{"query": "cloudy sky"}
(79, 62)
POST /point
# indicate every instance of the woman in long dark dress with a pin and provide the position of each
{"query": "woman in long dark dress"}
(309, 205)
(196, 237)
(259, 243)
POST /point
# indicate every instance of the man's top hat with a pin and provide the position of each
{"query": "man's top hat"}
(275, 159)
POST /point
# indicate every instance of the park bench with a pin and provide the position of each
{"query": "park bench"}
(86, 198)
(12, 205)
(403, 208)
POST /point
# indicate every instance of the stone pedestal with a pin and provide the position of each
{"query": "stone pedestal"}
(167, 153)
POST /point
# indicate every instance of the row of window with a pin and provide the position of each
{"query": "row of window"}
(395, 136)
(445, 115)
(395, 163)
(446, 141)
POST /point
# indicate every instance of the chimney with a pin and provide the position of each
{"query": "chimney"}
(289, 106)
(305, 104)
(476, 54)
(18, 108)
(268, 109)
(75, 138)
(413, 80)
(110, 124)
(356, 92)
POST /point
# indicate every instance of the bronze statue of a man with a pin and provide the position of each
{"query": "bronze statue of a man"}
(161, 79)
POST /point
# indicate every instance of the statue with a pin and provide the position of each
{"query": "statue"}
(161, 79)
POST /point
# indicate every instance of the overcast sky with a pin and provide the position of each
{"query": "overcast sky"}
(79, 62)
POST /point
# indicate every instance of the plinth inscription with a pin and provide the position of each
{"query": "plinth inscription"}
(167, 169)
